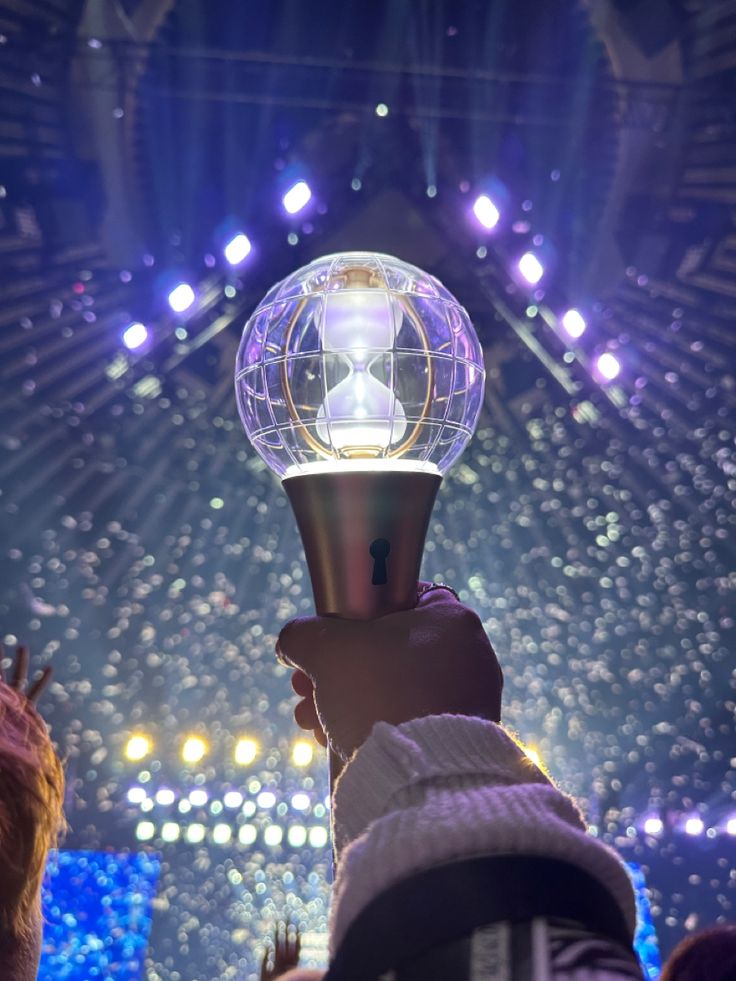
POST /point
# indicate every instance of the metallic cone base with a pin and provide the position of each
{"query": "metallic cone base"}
(363, 534)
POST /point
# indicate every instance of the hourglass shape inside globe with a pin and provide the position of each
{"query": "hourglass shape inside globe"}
(360, 415)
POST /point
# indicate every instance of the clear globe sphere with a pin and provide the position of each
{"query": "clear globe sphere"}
(359, 360)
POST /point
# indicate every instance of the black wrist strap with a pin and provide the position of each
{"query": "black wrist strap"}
(448, 902)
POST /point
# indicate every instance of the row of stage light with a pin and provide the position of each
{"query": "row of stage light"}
(570, 325)
(248, 835)
(195, 748)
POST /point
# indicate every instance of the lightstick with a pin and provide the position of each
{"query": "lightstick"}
(359, 381)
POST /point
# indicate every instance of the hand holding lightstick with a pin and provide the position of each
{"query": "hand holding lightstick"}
(359, 381)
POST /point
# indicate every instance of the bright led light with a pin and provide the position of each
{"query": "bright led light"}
(533, 755)
(531, 268)
(266, 799)
(608, 366)
(195, 833)
(486, 211)
(138, 747)
(134, 335)
(136, 795)
(233, 798)
(194, 749)
(165, 796)
(198, 797)
(694, 826)
(297, 835)
(318, 837)
(184, 807)
(144, 831)
(246, 751)
(273, 834)
(731, 826)
(653, 826)
(382, 109)
(221, 834)
(237, 249)
(297, 197)
(302, 753)
(300, 802)
(170, 831)
(247, 834)
(181, 297)
(574, 323)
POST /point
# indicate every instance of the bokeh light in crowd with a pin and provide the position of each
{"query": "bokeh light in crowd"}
(181, 297)
(165, 796)
(731, 826)
(486, 211)
(531, 268)
(135, 335)
(297, 197)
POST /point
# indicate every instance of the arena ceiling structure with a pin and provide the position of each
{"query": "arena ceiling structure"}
(150, 557)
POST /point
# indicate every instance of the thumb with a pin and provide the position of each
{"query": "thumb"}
(302, 643)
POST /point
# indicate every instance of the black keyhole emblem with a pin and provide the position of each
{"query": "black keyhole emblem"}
(379, 551)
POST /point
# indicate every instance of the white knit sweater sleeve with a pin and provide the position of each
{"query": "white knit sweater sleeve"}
(447, 787)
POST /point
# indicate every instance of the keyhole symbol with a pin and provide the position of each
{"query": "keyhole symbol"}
(379, 551)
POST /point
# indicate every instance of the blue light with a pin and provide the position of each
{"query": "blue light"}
(531, 268)
(135, 335)
(297, 197)
(97, 912)
(237, 249)
(486, 212)
(181, 297)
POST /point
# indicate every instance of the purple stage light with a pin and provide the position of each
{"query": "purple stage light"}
(134, 335)
(486, 211)
(181, 297)
(608, 366)
(653, 825)
(574, 323)
(297, 197)
(531, 268)
(237, 249)
(694, 826)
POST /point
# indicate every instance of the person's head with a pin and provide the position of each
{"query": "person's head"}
(31, 818)
(706, 956)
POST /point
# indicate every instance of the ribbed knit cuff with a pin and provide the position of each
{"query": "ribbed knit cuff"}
(427, 749)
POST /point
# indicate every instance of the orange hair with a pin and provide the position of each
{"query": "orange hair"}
(31, 810)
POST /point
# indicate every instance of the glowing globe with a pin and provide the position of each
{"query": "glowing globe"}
(359, 361)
